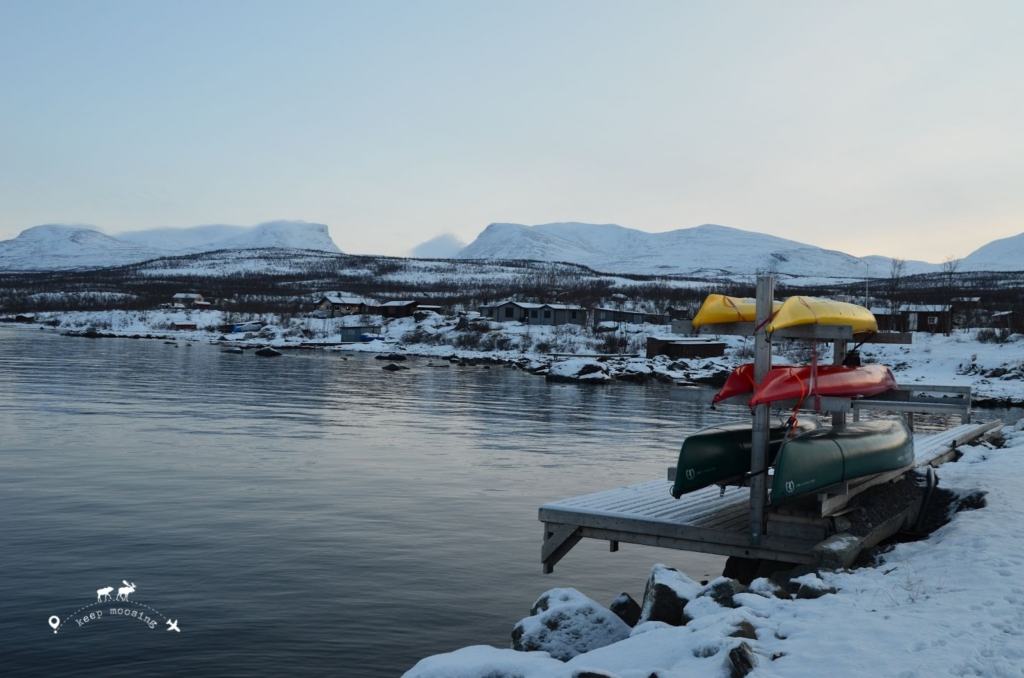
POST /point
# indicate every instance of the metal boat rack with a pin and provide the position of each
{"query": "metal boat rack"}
(738, 522)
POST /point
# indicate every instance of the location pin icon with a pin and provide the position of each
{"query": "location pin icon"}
(54, 622)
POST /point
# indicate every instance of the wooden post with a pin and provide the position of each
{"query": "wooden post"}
(759, 453)
(838, 356)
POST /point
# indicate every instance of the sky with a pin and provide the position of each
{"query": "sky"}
(887, 128)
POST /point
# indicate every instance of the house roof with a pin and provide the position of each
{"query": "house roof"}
(398, 303)
(627, 310)
(187, 295)
(911, 308)
(563, 307)
(348, 301)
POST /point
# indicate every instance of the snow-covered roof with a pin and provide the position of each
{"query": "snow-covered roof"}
(348, 301)
(911, 308)
(626, 310)
(563, 307)
(398, 303)
(187, 295)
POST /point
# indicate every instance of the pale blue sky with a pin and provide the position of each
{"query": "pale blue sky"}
(872, 127)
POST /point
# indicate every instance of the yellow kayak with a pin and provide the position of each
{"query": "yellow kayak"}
(718, 308)
(813, 311)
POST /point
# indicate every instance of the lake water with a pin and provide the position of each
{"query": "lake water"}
(305, 515)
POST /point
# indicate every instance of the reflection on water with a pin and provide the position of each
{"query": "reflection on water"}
(301, 515)
(306, 515)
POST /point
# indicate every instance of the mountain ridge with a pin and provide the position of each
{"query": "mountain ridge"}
(708, 249)
(62, 247)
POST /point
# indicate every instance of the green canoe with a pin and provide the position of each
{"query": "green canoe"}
(722, 451)
(815, 460)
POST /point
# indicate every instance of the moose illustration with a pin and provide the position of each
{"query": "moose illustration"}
(122, 593)
(103, 594)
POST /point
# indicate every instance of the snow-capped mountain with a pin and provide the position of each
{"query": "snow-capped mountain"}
(706, 250)
(1005, 254)
(53, 247)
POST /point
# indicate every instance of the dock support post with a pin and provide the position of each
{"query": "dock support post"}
(838, 357)
(765, 294)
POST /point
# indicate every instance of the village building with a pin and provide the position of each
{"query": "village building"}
(337, 304)
(684, 349)
(535, 314)
(187, 299)
(934, 318)
(357, 333)
(613, 315)
(398, 309)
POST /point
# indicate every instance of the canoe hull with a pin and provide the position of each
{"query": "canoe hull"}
(797, 311)
(722, 451)
(818, 459)
(719, 309)
(840, 381)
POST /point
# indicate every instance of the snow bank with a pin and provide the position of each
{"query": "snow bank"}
(952, 604)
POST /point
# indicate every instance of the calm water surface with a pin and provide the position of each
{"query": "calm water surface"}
(307, 515)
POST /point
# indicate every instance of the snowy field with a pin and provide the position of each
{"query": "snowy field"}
(918, 613)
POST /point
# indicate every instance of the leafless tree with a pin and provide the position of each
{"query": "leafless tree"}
(950, 265)
(894, 290)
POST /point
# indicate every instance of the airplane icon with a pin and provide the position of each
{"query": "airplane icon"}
(173, 625)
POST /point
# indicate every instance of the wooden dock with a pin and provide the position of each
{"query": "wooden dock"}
(710, 521)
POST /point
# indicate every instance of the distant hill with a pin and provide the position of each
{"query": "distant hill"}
(52, 246)
(707, 250)
(1005, 254)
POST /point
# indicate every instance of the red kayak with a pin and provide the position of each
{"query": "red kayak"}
(741, 380)
(788, 383)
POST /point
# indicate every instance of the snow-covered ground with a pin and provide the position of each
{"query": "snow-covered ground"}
(951, 605)
(995, 371)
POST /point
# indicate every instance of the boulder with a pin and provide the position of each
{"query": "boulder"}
(745, 630)
(267, 352)
(626, 609)
(722, 590)
(392, 367)
(810, 586)
(565, 623)
(233, 349)
(667, 593)
(741, 661)
(393, 357)
(768, 588)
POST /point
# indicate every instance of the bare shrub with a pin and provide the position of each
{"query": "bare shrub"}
(987, 335)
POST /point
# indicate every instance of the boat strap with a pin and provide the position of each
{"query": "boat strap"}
(771, 317)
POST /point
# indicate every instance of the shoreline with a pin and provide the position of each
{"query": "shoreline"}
(581, 369)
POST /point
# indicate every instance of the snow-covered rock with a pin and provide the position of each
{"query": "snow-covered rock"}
(626, 609)
(667, 593)
(565, 623)
(578, 369)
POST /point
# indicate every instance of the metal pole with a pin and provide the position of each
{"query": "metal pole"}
(759, 451)
(838, 357)
(867, 275)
